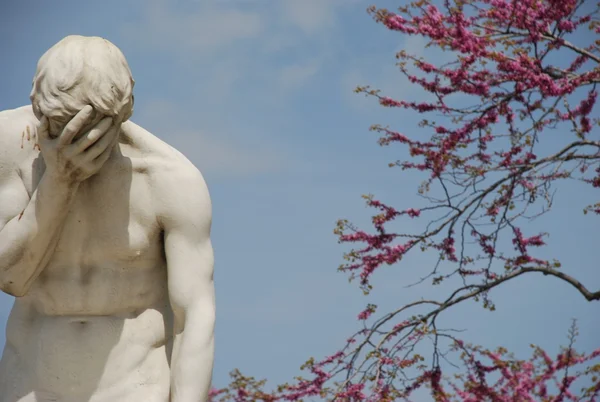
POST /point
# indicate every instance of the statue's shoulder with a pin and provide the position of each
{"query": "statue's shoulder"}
(173, 176)
(18, 135)
(163, 159)
(12, 120)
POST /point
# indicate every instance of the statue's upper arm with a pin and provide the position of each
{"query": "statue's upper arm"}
(185, 217)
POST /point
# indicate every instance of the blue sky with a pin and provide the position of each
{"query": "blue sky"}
(258, 94)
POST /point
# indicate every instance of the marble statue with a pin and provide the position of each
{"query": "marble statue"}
(104, 242)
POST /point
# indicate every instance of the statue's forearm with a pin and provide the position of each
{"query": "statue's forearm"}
(28, 240)
(192, 361)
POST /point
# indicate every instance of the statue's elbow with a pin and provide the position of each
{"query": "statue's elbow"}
(13, 288)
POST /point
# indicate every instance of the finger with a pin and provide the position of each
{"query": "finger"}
(103, 157)
(102, 144)
(75, 125)
(93, 135)
(43, 128)
(118, 120)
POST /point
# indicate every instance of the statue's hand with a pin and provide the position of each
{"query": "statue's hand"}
(73, 162)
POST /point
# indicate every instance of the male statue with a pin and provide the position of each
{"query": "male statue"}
(104, 242)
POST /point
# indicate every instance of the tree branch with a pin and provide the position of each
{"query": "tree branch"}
(590, 296)
(571, 46)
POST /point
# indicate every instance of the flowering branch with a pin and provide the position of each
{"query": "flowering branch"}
(519, 76)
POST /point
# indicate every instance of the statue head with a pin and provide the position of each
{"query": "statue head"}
(80, 71)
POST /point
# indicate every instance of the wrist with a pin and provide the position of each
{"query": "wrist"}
(61, 182)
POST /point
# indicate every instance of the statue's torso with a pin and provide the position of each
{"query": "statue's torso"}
(96, 324)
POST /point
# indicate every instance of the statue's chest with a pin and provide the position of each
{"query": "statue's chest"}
(109, 255)
(110, 220)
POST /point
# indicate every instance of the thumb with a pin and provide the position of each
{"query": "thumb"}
(42, 129)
